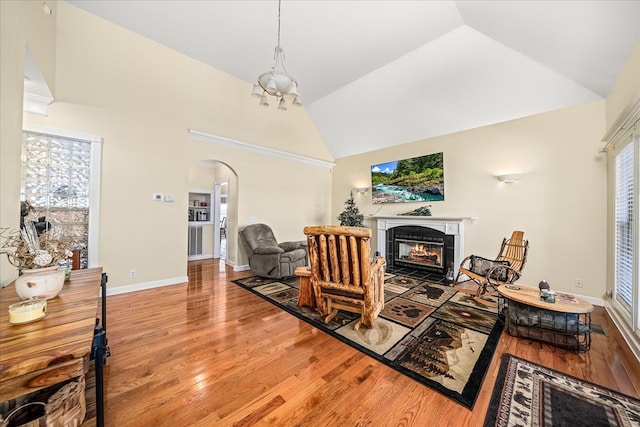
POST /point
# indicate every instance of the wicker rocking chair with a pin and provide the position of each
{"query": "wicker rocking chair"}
(505, 269)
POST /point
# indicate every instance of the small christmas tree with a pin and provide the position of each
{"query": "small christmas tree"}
(351, 214)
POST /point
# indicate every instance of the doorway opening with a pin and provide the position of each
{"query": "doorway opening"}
(221, 194)
(214, 183)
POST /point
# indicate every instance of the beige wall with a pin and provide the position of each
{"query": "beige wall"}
(22, 24)
(202, 178)
(141, 98)
(559, 201)
(627, 87)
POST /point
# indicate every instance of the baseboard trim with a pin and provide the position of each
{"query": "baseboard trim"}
(632, 340)
(199, 257)
(593, 301)
(146, 285)
(241, 267)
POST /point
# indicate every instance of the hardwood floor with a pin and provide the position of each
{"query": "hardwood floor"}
(211, 353)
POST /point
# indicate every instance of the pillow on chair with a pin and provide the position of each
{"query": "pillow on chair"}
(481, 266)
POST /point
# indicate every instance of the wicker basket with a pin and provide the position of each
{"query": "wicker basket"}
(65, 408)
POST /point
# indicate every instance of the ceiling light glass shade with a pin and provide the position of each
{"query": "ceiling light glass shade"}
(294, 89)
(296, 101)
(263, 101)
(271, 85)
(257, 92)
(282, 105)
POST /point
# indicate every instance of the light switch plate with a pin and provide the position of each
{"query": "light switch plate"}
(157, 197)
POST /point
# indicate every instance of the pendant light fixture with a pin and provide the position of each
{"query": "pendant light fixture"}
(277, 82)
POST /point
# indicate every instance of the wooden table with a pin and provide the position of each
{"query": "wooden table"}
(565, 323)
(52, 350)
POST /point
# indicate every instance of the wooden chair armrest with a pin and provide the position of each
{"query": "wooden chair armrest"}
(466, 261)
(377, 263)
(470, 274)
(303, 272)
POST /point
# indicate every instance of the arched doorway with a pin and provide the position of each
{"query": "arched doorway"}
(211, 226)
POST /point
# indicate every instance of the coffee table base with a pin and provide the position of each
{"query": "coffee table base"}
(570, 331)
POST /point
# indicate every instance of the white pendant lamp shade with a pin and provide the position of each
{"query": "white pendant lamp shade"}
(277, 82)
(257, 92)
(271, 86)
(294, 89)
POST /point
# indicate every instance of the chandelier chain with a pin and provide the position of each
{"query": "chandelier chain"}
(279, 5)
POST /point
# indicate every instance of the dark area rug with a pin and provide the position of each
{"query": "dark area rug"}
(527, 394)
(428, 331)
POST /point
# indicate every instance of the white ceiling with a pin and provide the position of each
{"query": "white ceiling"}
(373, 74)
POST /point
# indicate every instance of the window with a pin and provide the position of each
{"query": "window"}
(625, 300)
(59, 180)
(624, 225)
(623, 293)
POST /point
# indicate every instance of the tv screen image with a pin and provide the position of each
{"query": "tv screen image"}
(418, 179)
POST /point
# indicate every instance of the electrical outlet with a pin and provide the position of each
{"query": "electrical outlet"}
(132, 274)
(578, 283)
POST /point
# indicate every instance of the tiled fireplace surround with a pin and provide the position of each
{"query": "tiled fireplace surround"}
(450, 226)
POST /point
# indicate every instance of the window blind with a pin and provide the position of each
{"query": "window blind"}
(624, 227)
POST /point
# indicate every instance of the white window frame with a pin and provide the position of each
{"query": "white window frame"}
(626, 130)
(93, 255)
(631, 315)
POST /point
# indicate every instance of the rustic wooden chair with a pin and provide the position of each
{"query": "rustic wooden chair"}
(506, 268)
(343, 277)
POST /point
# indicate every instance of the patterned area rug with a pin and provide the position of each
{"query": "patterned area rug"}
(427, 331)
(527, 394)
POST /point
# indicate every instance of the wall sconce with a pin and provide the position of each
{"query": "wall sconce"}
(509, 178)
(362, 190)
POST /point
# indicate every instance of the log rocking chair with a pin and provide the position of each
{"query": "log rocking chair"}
(342, 275)
(505, 269)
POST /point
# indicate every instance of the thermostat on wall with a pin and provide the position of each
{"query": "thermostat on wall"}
(157, 197)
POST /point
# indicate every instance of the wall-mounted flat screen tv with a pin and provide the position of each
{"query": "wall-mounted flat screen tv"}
(419, 179)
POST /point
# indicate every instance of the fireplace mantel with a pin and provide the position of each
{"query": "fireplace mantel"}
(448, 225)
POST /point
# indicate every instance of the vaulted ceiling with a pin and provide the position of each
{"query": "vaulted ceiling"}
(374, 74)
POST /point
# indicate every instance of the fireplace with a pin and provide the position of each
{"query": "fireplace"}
(420, 248)
(429, 244)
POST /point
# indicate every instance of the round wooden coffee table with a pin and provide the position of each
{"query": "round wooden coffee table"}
(566, 323)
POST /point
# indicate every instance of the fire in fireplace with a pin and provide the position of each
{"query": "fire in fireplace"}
(421, 248)
(422, 253)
